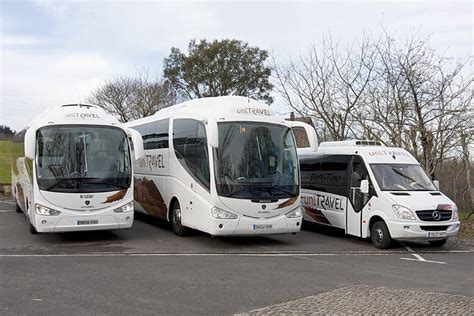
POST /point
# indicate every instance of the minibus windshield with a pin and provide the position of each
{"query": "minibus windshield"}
(256, 161)
(82, 159)
(401, 177)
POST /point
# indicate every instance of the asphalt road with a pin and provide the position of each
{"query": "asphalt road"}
(148, 270)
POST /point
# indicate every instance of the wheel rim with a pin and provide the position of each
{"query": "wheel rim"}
(177, 218)
(379, 235)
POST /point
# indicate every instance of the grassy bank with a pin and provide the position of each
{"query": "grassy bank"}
(5, 161)
(467, 226)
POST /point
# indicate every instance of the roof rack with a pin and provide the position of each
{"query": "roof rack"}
(79, 105)
(352, 142)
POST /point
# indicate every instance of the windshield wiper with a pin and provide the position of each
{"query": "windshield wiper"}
(61, 181)
(409, 178)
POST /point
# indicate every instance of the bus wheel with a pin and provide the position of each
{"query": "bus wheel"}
(437, 243)
(178, 227)
(380, 235)
(17, 207)
(32, 228)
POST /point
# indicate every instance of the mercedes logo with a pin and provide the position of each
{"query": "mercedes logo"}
(436, 215)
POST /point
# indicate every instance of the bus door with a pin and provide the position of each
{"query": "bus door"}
(357, 200)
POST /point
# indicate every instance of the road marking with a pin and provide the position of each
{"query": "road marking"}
(6, 211)
(7, 202)
(418, 257)
(424, 260)
(244, 254)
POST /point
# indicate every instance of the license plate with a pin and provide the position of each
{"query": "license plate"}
(88, 222)
(436, 234)
(261, 226)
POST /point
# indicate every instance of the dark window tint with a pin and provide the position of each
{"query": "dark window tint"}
(359, 173)
(326, 173)
(155, 134)
(190, 147)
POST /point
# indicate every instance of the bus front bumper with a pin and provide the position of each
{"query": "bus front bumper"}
(254, 226)
(50, 224)
(422, 230)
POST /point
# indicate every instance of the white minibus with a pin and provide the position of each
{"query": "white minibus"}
(221, 165)
(370, 190)
(72, 170)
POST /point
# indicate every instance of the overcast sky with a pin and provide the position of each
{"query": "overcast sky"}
(57, 52)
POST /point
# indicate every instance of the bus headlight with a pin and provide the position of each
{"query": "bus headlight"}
(455, 212)
(221, 214)
(125, 209)
(297, 212)
(403, 212)
(43, 210)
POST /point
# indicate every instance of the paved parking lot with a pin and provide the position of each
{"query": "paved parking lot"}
(148, 270)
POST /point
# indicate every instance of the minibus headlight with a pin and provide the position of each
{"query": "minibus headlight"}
(125, 209)
(221, 214)
(403, 212)
(297, 212)
(46, 211)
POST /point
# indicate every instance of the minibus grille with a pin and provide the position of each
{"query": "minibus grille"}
(434, 215)
(434, 228)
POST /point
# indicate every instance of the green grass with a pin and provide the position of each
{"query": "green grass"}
(467, 226)
(5, 161)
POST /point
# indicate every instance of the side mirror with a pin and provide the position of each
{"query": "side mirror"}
(212, 134)
(30, 143)
(436, 184)
(364, 186)
(137, 143)
(310, 133)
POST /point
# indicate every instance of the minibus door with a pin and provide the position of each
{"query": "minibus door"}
(357, 200)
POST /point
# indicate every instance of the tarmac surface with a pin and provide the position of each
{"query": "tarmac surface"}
(149, 270)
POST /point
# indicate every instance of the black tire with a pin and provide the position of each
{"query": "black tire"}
(32, 228)
(18, 208)
(380, 235)
(437, 243)
(178, 228)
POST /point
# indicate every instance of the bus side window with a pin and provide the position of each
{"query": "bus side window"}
(190, 146)
(310, 169)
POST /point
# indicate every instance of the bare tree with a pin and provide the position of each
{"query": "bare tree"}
(328, 85)
(418, 100)
(130, 98)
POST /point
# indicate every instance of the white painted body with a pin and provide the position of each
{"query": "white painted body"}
(79, 211)
(338, 210)
(167, 181)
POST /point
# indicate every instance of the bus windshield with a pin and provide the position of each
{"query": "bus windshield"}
(82, 159)
(256, 161)
(402, 177)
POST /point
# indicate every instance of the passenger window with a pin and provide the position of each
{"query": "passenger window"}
(190, 147)
(154, 134)
(328, 173)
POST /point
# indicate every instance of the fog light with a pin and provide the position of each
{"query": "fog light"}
(406, 227)
(297, 223)
(127, 218)
(43, 221)
(220, 226)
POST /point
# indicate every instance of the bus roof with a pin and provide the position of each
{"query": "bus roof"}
(370, 151)
(223, 108)
(74, 114)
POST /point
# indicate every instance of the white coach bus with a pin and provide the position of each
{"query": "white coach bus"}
(221, 165)
(370, 190)
(72, 170)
